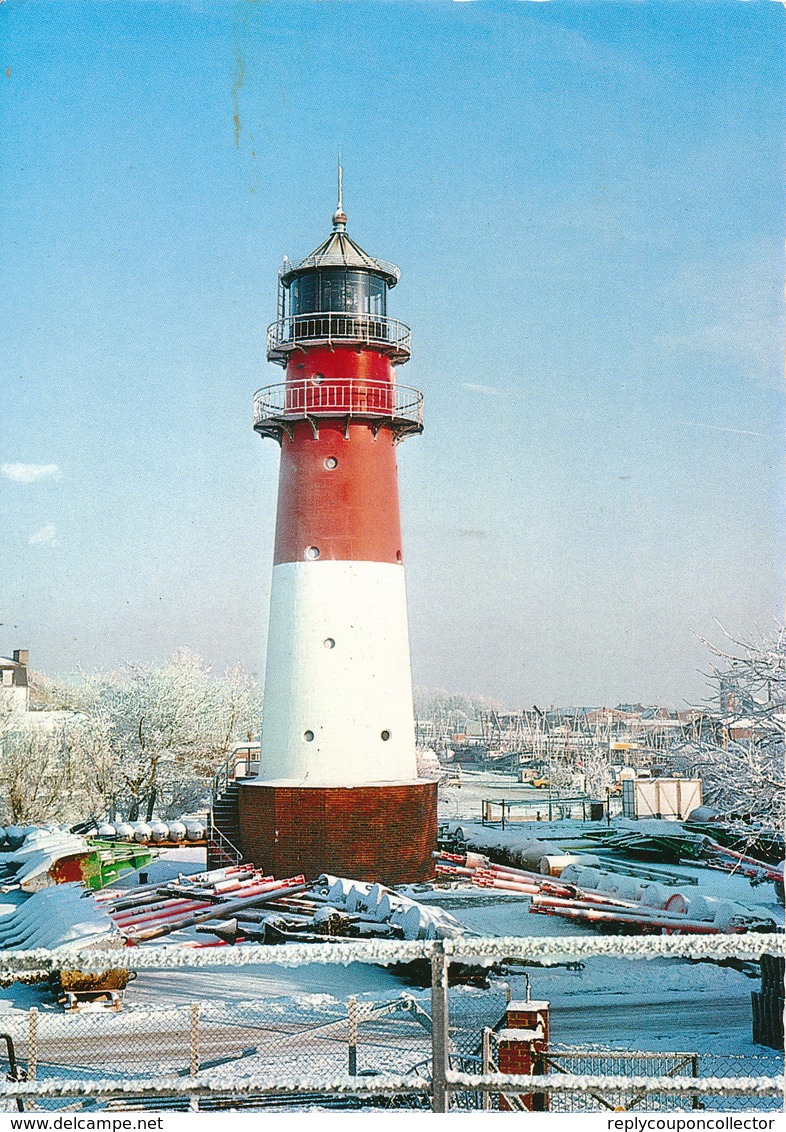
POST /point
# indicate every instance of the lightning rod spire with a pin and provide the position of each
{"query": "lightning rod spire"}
(339, 216)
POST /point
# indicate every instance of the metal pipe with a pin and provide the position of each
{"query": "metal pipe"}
(594, 915)
(217, 911)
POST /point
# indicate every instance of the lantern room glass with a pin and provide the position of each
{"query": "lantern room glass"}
(336, 289)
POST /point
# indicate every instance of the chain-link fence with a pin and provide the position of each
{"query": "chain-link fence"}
(321, 1037)
(270, 1038)
(318, 1049)
(317, 1036)
(397, 1037)
(597, 1062)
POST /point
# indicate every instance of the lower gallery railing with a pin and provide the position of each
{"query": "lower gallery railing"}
(317, 1049)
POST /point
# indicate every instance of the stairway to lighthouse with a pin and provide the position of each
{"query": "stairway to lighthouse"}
(223, 835)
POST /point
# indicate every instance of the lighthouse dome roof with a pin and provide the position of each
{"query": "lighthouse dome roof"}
(340, 250)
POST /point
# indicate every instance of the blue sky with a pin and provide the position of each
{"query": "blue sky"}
(586, 202)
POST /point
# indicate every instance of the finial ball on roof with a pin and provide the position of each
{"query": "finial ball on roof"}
(339, 218)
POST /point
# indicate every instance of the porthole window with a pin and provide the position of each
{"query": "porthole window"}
(385, 735)
(317, 379)
(329, 643)
(308, 736)
(312, 552)
(330, 463)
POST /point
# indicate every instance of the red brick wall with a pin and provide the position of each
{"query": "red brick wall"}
(521, 1057)
(524, 1019)
(379, 833)
(515, 1057)
(520, 1051)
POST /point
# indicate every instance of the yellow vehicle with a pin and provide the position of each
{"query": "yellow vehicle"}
(540, 783)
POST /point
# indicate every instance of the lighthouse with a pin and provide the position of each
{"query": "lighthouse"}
(337, 789)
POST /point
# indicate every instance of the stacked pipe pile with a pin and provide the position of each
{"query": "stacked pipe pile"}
(513, 847)
(730, 861)
(589, 895)
(239, 903)
(656, 838)
(183, 831)
(223, 901)
(374, 905)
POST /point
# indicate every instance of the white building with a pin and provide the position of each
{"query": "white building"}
(13, 679)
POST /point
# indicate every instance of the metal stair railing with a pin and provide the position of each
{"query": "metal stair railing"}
(221, 843)
(226, 772)
(221, 781)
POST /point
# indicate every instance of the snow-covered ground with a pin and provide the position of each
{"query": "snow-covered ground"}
(654, 1005)
(168, 866)
(462, 798)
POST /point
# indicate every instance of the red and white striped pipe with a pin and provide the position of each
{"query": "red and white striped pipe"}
(679, 924)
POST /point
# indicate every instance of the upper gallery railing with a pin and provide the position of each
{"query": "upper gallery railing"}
(339, 327)
(396, 407)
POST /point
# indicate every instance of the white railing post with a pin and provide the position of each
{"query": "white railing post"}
(352, 1035)
(486, 1065)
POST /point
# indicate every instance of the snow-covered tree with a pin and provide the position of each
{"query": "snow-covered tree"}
(41, 771)
(149, 738)
(7, 708)
(596, 760)
(449, 709)
(739, 751)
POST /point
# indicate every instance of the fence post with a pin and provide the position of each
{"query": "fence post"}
(32, 1049)
(486, 1066)
(352, 1034)
(694, 1068)
(193, 1050)
(440, 1098)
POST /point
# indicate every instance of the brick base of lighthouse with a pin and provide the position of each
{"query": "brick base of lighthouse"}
(375, 833)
